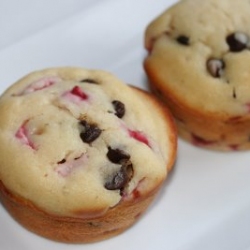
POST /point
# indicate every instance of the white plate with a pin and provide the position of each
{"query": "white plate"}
(205, 202)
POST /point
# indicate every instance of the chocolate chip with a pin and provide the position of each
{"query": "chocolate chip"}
(116, 155)
(88, 80)
(215, 67)
(62, 161)
(121, 178)
(234, 93)
(90, 133)
(119, 108)
(184, 40)
(237, 41)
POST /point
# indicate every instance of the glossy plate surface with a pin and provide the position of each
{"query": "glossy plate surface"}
(205, 203)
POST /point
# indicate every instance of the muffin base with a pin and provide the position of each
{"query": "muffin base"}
(75, 230)
(219, 132)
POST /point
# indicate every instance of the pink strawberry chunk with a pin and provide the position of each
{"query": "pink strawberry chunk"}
(76, 95)
(22, 135)
(139, 136)
(136, 193)
(199, 141)
(40, 84)
(247, 105)
(77, 91)
(65, 168)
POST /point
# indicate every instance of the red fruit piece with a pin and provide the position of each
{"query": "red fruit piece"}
(248, 107)
(66, 167)
(77, 91)
(76, 95)
(199, 141)
(22, 135)
(136, 193)
(40, 84)
(234, 147)
(139, 136)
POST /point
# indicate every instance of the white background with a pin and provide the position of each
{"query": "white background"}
(205, 202)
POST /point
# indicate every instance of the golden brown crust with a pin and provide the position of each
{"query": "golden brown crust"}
(75, 230)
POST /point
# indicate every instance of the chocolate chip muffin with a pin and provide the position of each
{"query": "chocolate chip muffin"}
(82, 156)
(198, 60)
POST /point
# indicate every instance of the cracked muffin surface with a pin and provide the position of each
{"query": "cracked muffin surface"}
(197, 62)
(78, 142)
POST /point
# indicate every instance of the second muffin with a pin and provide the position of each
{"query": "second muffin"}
(198, 63)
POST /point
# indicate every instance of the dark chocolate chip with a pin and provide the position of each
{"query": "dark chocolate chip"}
(119, 108)
(184, 40)
(116, 155)
(237, 41)
(62, 161)
(121, 178)
(234, 93)
(90, 133)
(215, 67)
(88, 80)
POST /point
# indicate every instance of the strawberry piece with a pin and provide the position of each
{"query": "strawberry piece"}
(77, 91)
(66, 167)
(248, 107)
(234, 147)
(198, 141)
(22, 135)
(136, 193)
(40, 84)
(76, 95)
(139, 136)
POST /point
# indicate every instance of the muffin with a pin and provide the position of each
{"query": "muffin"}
(82, 154)
(197, 62)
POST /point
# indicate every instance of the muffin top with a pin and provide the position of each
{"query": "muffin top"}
(76, 142)
(199, 52)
